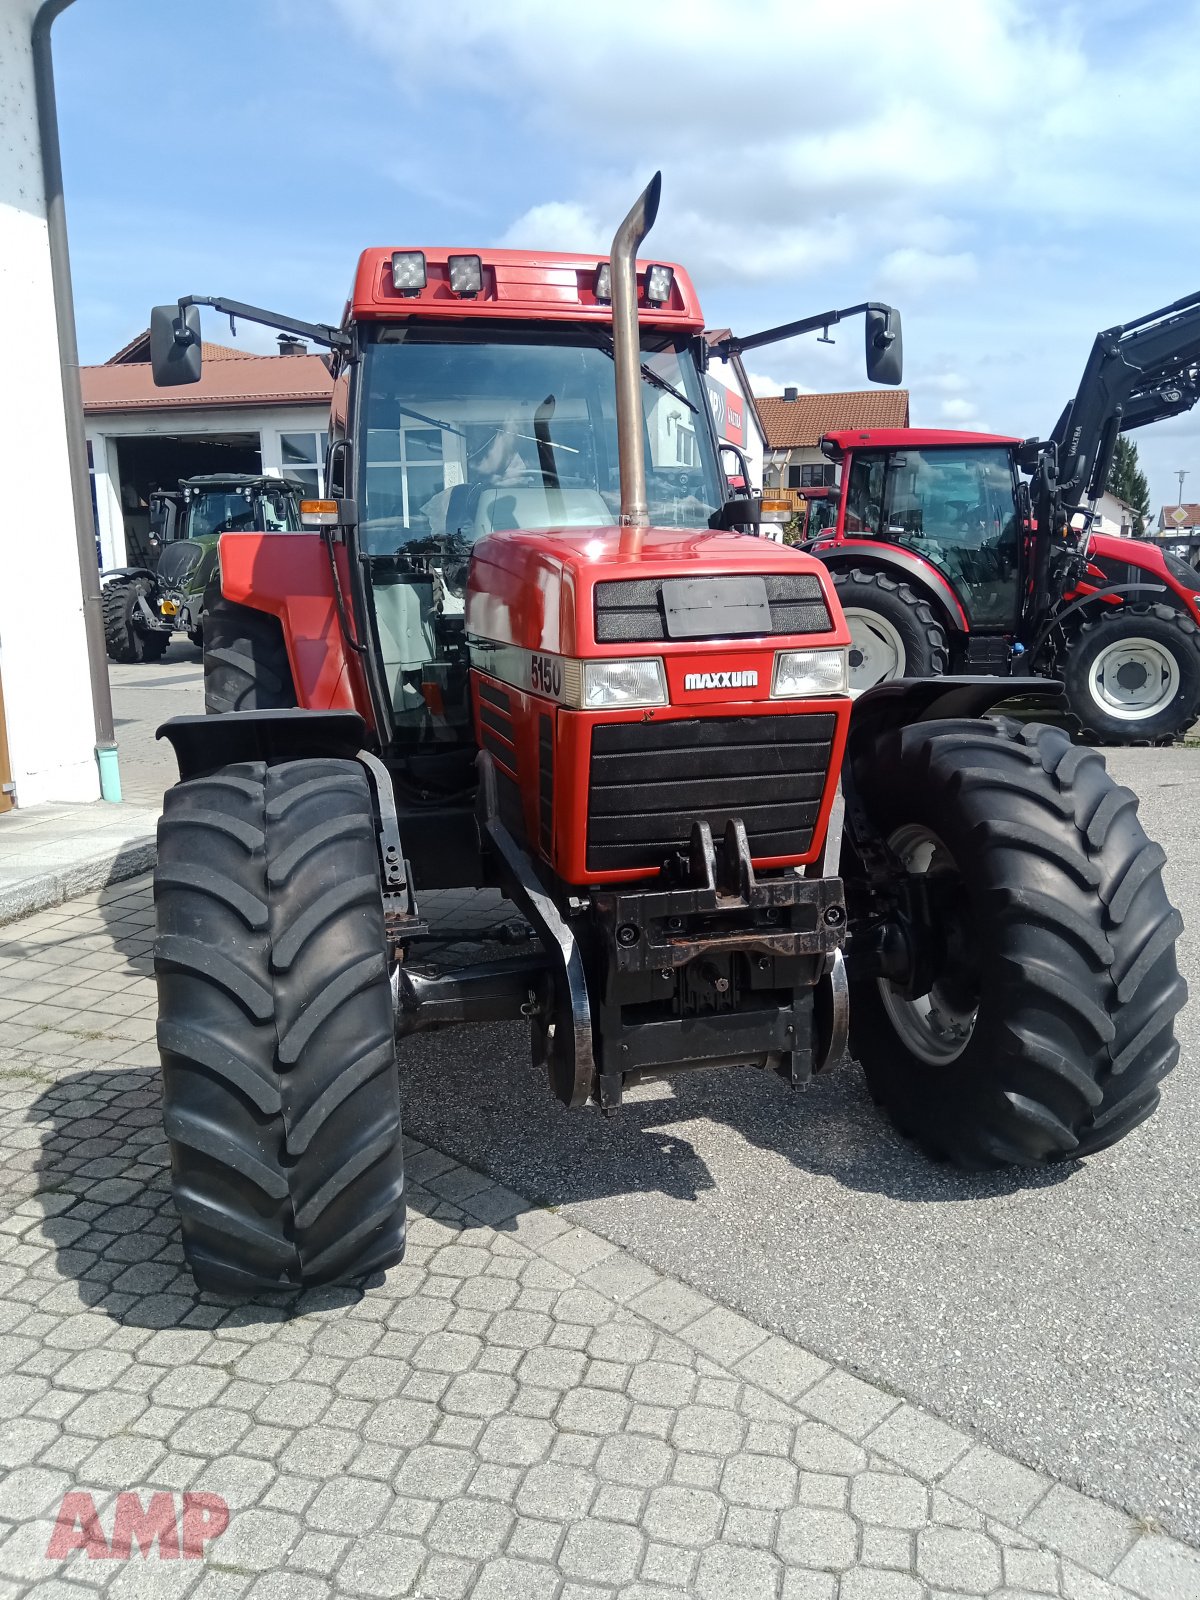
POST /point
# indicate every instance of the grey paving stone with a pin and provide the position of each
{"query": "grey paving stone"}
(512, 1579)
(892, 1500)
(670, 1305)
(725, 1572)
(479, 1394)
(817, 1539)
(557, 1490)
(517, 1441)
(380, 1564)
(723, 1335)
(957, 1558)
(598, 1411)
(768, 1482)
(865, 1584)
(28, 1491)
(995, 1484)
(708, 1430)
(847, 1404)
(634, 1460)
(918, 1442)
(601, 1552)
(467, 1527)
(348, 1505)
(1035, 1571)
(1159, 1568)
(259, 1541)
(678, 1514)
(1091, 1534)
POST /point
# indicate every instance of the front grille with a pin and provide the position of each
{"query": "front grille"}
(631, 612)
(650, 781)
(178, 561)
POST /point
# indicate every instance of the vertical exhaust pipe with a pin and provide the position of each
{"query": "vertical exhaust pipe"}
(627, 365)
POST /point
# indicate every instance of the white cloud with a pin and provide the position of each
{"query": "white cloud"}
(958, 410)
(915, 272)
(555, 225)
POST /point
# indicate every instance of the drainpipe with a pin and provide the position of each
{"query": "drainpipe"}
(627, 364)
(68, 354)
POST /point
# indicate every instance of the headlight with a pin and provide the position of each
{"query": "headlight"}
(612, 684)
(800, 672)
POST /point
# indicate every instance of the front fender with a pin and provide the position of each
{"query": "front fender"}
(904, 565)
(202, 744)
(903, 700)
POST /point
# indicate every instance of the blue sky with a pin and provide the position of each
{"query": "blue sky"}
(1013, 176)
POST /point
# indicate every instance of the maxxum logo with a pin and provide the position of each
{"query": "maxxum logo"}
(721, 680)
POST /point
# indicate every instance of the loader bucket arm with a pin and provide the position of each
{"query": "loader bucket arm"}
(1137, 373)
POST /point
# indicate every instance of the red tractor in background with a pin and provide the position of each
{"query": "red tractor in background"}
(972, 552)
(524, 650)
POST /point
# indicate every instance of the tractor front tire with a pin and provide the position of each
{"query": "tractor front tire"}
(246, 666)
(1132, 675)
(1047, 1020)
(893, 631)
(280, 1089)
(125, 641)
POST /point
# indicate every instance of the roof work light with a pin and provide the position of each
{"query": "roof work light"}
(659, 283)
(466, 274)
(408, 270)
(603, 282)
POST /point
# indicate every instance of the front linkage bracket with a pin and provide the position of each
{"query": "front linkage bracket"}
(560, 1011)
(401, 919)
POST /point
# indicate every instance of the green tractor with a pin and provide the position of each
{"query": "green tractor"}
(144, 608)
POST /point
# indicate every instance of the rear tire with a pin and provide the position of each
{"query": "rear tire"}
(246, 665)
(1133, 676)
(125, 641)
(1059, 931)
(893, 631)
(280, 1088)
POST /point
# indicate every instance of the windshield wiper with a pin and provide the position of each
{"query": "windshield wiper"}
(651, 377)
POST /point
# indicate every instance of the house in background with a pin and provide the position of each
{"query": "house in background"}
(248, 413)
(1181, 519)
(1114, 516)
(795, 424)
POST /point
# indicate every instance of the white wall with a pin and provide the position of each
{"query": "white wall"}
(103, 430)
(43, 650)
(726, 374)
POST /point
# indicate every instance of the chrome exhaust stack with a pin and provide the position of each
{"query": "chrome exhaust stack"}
(627, 365)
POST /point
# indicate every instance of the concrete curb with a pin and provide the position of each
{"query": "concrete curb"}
(108, 864)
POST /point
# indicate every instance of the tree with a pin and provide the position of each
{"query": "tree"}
(1128, 482)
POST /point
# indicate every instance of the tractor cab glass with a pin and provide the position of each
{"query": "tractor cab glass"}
(471, 431)
(956, 508)
(215, 511)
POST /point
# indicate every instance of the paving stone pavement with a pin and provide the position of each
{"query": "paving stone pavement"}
(521, 1411)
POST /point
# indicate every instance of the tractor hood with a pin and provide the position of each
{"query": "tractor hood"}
(572, 592)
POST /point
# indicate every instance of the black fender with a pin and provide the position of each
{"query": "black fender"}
(203, 744)
(125, 573)
(921, 575)
(904, 700)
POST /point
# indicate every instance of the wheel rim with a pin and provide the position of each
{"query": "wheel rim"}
(876, 649)
(938, 1026)
(1134, 678)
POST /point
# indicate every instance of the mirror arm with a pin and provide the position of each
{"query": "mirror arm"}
(792, 330)
(319, 332)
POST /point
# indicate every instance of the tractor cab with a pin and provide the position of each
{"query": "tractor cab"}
(950, 500)
(469, 429)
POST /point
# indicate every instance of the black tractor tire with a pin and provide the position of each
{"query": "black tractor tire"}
(123, 638)
(1170, 634)
(246, 666)
(916, 632)
(281, 1097)
(1068, 934)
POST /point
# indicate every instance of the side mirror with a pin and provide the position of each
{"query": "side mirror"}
(175, 351)
(885, 345)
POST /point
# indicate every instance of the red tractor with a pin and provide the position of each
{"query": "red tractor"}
(972, 552)
(524, 650)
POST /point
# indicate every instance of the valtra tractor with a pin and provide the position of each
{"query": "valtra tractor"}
(525, 651)
(145, 606)
(973, 553)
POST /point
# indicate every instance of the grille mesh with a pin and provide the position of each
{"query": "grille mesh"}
(650, 781)
(630, 611)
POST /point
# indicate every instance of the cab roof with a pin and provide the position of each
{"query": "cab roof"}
(521, 285)
(896, 438)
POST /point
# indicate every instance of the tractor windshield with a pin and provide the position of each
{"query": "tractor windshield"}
(233, 510)
(954, 507)
(467, 432)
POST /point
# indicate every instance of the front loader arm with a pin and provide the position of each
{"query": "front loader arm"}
(1137, 373)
